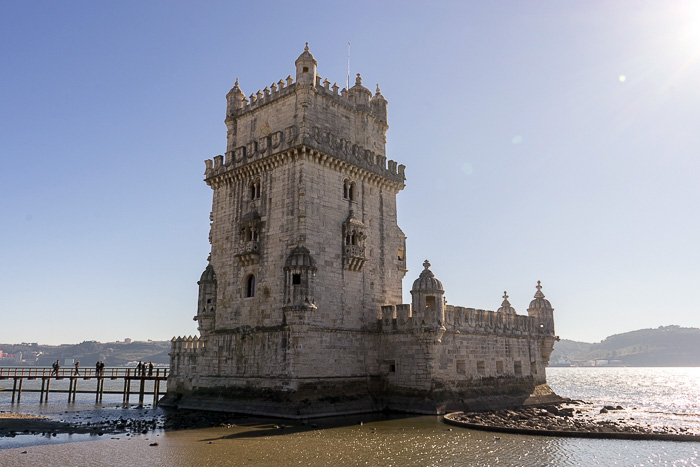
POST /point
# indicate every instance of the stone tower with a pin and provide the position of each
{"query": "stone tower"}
(299, 308)
(304, 237)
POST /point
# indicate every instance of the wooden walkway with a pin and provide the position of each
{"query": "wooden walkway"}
(129, 375)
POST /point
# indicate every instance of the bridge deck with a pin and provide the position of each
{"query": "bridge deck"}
(21, 374)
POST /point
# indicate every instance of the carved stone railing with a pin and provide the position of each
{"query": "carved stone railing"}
(354, 257)
(248, 253)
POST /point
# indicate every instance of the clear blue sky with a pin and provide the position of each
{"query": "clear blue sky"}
(544, 140)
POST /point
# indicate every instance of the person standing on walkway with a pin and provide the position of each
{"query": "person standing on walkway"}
(150, 368)
(77, 368)
(55, 367)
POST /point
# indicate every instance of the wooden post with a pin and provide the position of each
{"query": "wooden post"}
(156, 390)
(14, 389)
(142, 387)
(127, 386)
(41, 394)
(19, 393)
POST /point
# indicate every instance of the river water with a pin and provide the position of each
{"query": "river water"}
(658, 396)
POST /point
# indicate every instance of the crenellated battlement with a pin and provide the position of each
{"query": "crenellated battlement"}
(400, 318)
(186, 345)
(326, 141)
(283, 88)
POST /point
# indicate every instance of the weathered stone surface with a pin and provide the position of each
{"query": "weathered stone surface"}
(300, 309)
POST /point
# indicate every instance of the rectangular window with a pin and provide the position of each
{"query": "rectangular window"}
(296, 279)
(533, 368)
(430, 301)
(461, 367)
(401, 257)
(481, 368)
(499, 367)
(518, 368)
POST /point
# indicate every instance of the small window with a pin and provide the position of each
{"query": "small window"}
(533, 368)
(481, 368)
(250, 286)
(208, 300)
(349, 190)
(461, 367)
(392, 368)
(296, 279)
(306, 69)
(499, 367)
(401, 254)
(518, 368)
(430, 301)
(254, 189)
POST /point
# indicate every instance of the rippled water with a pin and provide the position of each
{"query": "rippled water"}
(664, 392)
(657, 396)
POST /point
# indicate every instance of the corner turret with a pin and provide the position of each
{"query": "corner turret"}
(306, 68)
(206, 306)
(379, 106)
(542, 311)
(235, 100)
(428, 299)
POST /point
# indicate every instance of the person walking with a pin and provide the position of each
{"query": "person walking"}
(77, 368)
(55, 367)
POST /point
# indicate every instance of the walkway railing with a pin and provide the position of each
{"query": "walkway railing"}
(20, 374)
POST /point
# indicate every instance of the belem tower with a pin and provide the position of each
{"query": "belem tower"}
(299, 308)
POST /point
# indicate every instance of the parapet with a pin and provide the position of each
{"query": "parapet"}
(358, 98)
(186, 345)
(399, 318)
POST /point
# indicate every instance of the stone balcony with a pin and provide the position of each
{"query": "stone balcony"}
(248, 253)
(354, 257)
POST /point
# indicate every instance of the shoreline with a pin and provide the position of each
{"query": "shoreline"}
(568, 420)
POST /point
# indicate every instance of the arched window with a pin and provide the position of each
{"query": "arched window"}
(254, 189)
(349, 190)
(250, 286)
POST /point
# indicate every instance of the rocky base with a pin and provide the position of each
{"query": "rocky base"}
(571, 419)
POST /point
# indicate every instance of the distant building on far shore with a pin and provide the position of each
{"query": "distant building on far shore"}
(299, 309)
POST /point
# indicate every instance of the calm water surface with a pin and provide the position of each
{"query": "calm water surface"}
(659, 393)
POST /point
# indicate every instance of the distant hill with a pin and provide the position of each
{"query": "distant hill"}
(89, 352)
(664, 346)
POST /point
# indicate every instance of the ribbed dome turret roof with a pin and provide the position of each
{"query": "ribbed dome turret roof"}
(505, 306)
(300, 257)
(306, 56)
(236, 90)
(359, 87)
(208, 275)
(378, 96)
(540, 302)
(427, 280)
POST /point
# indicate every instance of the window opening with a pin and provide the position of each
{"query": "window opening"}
(518, 368)
(481, 368)
(430, 301)
(250, 286)
(255, 189)
(296, 279)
